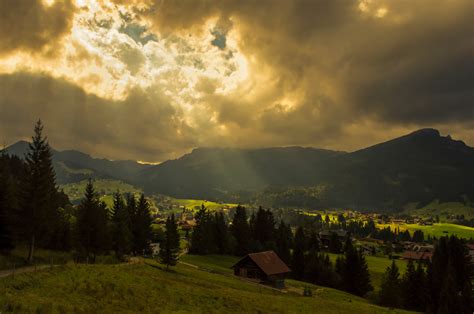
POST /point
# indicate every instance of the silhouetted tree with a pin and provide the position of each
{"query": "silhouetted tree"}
(221, 235)
(91, 227)
(389, 294)
(355, 272)
(142, 227)
(121, 234)
(39, 210)
(241, 231)
(283, 242)
(169, 248)
(298, 257)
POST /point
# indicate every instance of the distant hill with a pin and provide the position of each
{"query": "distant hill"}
(416, 168)
(74, 166)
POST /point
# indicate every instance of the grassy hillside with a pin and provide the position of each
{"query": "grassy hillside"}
(437, 229)
(148, 288)
(194, 204)
(105, 187)
(377, 265)
(441, 209)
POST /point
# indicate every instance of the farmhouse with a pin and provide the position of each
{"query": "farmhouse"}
(417, 256)
(266, 267)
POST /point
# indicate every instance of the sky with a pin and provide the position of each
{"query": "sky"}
(150, 80)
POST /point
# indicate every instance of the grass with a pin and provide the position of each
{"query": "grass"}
(105, 187)
(126, 288)
(437, 229)
(196, 204)
(18, 256)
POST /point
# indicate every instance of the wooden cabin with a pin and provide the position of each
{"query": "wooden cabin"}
(266, 267)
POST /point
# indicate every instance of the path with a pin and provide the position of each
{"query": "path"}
(21, 270)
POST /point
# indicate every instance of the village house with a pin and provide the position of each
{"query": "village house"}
(325, 236)
(265, 267)
(470, 246)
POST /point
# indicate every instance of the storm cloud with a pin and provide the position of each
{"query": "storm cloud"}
(339, 74)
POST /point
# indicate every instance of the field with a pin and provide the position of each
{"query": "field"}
(105, 187)
(437, 229)
(195, 204)
(147, 287)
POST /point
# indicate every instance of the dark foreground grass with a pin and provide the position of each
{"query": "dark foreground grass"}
(147, 287)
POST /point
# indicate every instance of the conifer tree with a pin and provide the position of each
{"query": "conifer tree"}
(169, 248)
(355, 273)
(283, 242)
(221, 233)
(121, 235)
(40, 207)
(298, 257)
(92, 236)
(241, 231)
(143, 220)
(389, 294)
(6, 232)
(413, 287)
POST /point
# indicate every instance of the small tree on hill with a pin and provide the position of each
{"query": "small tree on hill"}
(92, 236)
(389, 294)
(169, 248)
(241, 231)
(121, 235)
(298, 258)
(355, 272)
(143, 220)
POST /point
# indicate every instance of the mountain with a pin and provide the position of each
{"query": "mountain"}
(419, 167)
(227, 172)
(74, 166)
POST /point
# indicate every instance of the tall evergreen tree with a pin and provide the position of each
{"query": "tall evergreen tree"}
(283, 242)
(121, 234)
(413, 287)
(169, 248)
(40, 206)
(298, 257)
(6, 213)
(221, 233)
(389, 294)
(143, 231)
(92, 236)
(355, 273)
(202, 238)
(241, 231)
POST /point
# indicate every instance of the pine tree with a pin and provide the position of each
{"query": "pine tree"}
(221, 233)
(298, 257)
(241, 231)
(202, 238)
(355, 273)
(132, 214)
(121, 234)
(40, 207)
(283, 242)
(92, 236)
(389, 294)
(169, 248)
(413, 287)
(143, 222)
(6, 232)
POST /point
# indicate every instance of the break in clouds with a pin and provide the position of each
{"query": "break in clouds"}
(150, 80)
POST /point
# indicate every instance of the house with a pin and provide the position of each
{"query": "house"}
(417, 256)
(325, 236)
(470, 247)
(266, 267)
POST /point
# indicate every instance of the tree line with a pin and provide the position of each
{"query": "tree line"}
(440, 285)
(33, 211)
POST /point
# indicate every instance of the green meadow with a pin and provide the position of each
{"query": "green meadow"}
(195, 204)
(147, 287)
(437, 229)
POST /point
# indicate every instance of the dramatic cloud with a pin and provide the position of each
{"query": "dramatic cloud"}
(338, 74)
(33, 25)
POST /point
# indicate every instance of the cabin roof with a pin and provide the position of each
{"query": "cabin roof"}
(268, 262)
